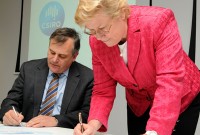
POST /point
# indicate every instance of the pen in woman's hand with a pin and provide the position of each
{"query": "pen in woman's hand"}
(81, 122)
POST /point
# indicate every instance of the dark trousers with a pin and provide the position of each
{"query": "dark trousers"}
(185, 125)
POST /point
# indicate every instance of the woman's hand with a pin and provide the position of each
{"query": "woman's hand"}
(89, 129)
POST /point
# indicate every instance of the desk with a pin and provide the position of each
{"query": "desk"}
(17, 130)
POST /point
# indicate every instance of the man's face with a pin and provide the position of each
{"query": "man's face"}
(60, 55)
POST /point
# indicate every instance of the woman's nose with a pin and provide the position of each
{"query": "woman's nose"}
(99, 36)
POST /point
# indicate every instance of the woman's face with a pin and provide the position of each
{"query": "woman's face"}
(107, 29)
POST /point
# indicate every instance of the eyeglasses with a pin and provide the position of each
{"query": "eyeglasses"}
(100, 31)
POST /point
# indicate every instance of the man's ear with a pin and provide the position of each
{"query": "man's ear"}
(75, 56)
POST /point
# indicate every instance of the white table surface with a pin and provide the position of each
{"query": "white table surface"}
(18, 130)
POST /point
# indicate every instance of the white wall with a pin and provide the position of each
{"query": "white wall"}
(10, 12)
(9, 36)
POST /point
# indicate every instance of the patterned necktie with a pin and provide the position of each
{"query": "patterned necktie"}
(50, 99)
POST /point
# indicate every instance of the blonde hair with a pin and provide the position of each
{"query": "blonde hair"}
(88, 8)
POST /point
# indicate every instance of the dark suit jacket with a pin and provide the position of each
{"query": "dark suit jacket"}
(27, 92)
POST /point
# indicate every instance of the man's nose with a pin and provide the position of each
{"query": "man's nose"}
(55, 58)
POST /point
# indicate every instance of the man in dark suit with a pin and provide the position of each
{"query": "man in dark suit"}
(24, 101)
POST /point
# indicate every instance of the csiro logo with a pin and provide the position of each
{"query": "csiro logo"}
(51, 17)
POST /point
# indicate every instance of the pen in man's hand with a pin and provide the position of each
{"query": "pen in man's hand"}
(21, 124)
(15, 111)
(81, 122)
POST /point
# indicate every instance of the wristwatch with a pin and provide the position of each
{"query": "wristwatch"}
(151, 133)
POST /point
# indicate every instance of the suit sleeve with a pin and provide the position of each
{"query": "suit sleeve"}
(169, 74)
(104, 90)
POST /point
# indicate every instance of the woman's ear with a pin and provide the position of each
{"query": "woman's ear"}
(125, 13)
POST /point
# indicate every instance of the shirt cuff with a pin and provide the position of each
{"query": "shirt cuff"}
(151, 133)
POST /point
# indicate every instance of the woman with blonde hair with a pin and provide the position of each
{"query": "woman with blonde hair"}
(140, 48)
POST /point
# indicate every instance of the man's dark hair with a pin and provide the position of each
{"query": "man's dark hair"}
(61, 35)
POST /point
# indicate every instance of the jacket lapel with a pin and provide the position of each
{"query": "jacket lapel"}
(125, 75)
(114, 64)
(133, 41)
(40, 78)
(72, 82)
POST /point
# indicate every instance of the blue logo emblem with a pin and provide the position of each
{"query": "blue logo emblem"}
(52, 17)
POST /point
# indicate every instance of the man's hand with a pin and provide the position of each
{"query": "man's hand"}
(42, 121)
(12, 119)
